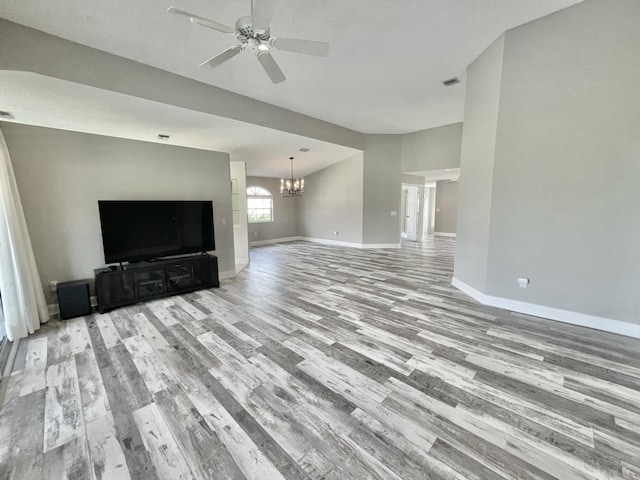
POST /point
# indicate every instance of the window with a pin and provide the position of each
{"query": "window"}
(259, 205)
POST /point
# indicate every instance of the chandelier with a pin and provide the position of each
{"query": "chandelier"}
(291, 187)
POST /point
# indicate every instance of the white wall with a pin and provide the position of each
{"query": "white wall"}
(238, 172)
(382, 190)
(62, 175)
(446, 215)
(333, 203)
(432, 149)
(476, 170)
(550, 170)
(567, 163)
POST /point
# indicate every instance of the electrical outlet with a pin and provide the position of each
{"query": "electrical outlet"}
(335, 233)
(523, 282)
(53, 285)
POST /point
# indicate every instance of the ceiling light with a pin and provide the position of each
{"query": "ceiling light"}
(162, 136)
(292, 187)
(450, 82)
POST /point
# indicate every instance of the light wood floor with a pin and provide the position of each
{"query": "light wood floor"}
(325, 363)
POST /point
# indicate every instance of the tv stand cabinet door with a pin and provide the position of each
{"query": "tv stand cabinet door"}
(114, 289)
(149, 282)
(180, 276)
(206, 274)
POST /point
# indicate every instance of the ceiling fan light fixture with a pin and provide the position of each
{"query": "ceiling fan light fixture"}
(254, 32)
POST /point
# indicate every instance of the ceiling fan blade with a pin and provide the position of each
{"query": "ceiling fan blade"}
(308, 47)
(263, 12)
(205, 22)
(271, 67)
(219, 59)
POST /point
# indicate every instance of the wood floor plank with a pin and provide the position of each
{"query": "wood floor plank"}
(323, 362)
(107, 458)
(34, 373)
(63, 417)
(205, 454)
(95, 403)
(155, 375)
(165, 453)
(108, 330)
(27, 439)
(69, 460)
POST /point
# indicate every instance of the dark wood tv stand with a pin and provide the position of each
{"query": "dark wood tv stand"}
(137, 282)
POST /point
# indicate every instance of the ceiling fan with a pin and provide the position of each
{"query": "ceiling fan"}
(253, 32)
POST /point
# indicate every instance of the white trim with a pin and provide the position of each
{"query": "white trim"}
(566, 316)
(273, 240)
(327, 241)
(227, 274)
(324, 241)
(444, 234)
(241, 266)
(380, 245)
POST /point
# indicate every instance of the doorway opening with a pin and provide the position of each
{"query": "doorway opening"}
(411, 210)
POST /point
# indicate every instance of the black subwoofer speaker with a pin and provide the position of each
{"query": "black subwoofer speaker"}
(74, 299)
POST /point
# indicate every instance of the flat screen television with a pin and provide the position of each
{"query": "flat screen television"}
(135, 230)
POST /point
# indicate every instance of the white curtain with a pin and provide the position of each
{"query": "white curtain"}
(22, 297)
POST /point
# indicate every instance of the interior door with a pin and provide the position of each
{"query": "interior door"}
(410, 205)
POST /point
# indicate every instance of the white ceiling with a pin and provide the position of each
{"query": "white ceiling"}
(47, 102)
(383, 74)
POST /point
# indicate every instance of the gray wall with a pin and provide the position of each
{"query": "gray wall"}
(333, 202)
(446, 207)
(285, 214)
(382, 190)
(567, 163)
(476, 171)
(62, 175)
(432, 149)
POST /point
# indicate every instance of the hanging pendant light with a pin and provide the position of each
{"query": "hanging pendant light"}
(292, 187)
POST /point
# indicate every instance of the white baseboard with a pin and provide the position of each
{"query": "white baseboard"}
(274, 240)
(227, 274)
(325, 241)
(444, 234)
(566, 316)
(350, 244)
(380, 245)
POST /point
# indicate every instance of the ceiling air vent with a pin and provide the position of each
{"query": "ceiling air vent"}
(6, 115)
(451, 82)
(162, 136)
(305, 149)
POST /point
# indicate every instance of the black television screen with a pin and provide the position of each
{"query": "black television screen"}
(134, 230)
